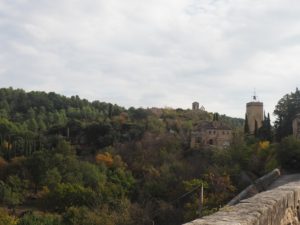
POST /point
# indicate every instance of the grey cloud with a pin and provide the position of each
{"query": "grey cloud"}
(153, 53)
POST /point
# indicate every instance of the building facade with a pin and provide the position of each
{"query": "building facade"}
(296, 126)
(213, 133)
(195, 105)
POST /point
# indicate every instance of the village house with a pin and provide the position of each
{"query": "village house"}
(296, 126)
(213, 133)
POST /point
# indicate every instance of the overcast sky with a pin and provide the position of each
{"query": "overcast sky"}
(155, 52)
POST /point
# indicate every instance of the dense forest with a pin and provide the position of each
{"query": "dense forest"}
(69, 161)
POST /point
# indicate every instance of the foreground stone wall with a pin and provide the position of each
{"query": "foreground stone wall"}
(261, 184)
(279, 206)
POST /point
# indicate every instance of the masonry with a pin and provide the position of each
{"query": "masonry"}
(277, 206)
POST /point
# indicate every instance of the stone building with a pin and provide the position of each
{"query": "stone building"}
(213, 133)
(296, 126)
(195, 106)
(255, 114)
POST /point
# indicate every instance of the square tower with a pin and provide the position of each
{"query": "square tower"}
(195, 106)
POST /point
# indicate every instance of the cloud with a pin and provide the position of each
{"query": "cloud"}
(153, 53)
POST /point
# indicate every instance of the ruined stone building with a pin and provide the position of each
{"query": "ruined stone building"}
(296, 126)
(195, 106)
(212, 133)
(255, 114)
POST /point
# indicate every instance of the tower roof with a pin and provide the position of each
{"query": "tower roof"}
(254, 100)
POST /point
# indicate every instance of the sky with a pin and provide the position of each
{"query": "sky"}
(155, 53)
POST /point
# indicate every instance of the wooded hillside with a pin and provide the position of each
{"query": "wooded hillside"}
(71, 161)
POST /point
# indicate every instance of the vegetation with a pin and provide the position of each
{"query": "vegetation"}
(286, 109)
(68, 161)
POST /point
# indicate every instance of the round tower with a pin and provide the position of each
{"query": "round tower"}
(255, 114)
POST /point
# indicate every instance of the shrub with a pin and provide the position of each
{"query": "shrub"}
(289, 153)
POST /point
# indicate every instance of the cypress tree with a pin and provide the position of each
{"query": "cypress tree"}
(265, 132)
(269, 128)
(246, 126)
(255, 129)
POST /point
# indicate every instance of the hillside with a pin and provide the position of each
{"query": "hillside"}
(72, 161)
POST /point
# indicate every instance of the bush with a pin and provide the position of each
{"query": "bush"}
(67, 195)
(84, 216)
(34, 219)
(6, 219)
(289, 153)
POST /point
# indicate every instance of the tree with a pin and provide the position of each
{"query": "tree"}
(52, 178)
(12, 193)
(66, 195)
(38, 164)
(285, 111)
(255, 129)
(246, 125)
(216, 117)
(32, 124)
(35, 219)
(265, 131)
(289, 153)
(84, 216)
(6, 219)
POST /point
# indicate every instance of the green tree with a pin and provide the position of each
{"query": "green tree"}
(6, 219)
(38, 164)
(52, 178)
(265, 131)
(84, 216)
(67, 195)
(12, 193)
(35, 219)
(246, 125)
(32, 124)
(285, 111)
(255, 129)
(289, 153)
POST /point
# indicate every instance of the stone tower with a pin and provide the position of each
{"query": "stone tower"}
(255, 114)
(195, 106)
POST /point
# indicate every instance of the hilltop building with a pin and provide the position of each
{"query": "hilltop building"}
(195, 106)
(212, 133)
(254, 114)
(296, 126)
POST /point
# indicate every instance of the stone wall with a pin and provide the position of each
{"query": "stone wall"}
(259, 185)
(279, 206)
